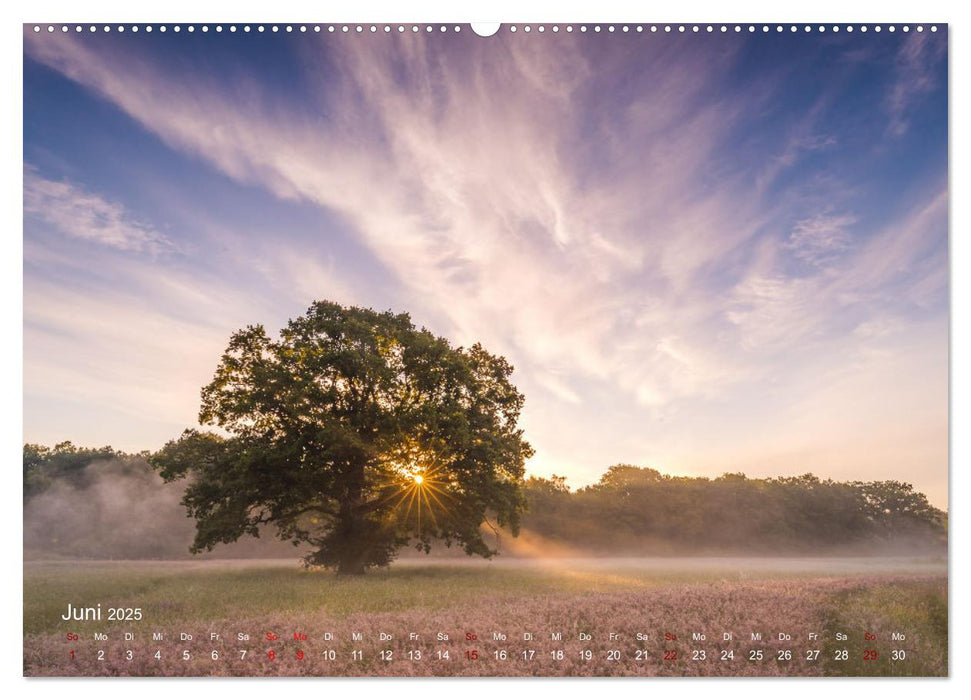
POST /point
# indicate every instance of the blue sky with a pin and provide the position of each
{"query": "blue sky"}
(703, 253)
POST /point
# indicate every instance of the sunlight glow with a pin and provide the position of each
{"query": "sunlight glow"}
(416, 485)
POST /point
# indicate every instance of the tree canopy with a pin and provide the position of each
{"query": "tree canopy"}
(357, 433)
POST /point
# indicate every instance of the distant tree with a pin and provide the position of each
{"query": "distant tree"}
(623, 477)
(550, 506)
(354, 432)
(896, 509)
(64, 462)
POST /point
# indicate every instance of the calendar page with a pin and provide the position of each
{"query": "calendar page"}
(485, 350)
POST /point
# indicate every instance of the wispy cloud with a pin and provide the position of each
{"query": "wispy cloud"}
(821, 239)
(804, 137)
(917, 67)
(851, 285)
(73, 211)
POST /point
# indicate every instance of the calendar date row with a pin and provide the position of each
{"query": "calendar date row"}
(501, 655)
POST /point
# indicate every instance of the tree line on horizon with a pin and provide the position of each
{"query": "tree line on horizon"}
(630, 510)
(640, 509)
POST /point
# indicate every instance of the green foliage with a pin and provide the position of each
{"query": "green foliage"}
(641, 510)
(327, 426)
(64, 462)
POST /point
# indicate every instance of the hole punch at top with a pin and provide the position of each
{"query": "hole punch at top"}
(485, 28)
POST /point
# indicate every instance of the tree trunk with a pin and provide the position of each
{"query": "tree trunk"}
(352, 528)
(351, 567)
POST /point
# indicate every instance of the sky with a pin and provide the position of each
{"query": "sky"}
(703, 253)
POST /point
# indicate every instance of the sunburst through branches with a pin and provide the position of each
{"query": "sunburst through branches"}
(417, 486)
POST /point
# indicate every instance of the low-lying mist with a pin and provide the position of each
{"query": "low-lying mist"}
(98, 504)
(122, 509)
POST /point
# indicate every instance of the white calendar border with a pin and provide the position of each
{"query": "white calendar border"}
(828, 11)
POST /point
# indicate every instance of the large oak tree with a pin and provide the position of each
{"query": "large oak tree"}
(356, 433)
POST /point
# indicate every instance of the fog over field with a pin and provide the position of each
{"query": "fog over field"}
(120, 508)
(704, 567)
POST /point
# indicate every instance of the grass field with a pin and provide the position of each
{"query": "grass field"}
(584, 600)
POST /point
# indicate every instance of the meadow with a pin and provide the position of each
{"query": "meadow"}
(656, 608)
